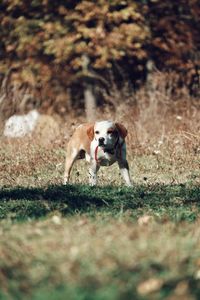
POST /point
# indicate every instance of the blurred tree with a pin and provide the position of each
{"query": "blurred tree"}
(47, 42)
(175, 42)
(44, 44)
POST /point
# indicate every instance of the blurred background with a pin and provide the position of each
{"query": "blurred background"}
(72, 61)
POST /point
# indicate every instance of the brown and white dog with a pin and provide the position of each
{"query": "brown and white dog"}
(101, 144)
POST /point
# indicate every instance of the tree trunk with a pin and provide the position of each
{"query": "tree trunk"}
(90, 103)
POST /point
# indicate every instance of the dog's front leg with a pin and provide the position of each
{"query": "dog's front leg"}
(124, 168)
(94, 167)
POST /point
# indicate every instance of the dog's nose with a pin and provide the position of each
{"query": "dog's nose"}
(101, 141)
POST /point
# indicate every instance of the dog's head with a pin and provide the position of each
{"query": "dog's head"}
(107, 133)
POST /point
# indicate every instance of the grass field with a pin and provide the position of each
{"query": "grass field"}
(105, 242)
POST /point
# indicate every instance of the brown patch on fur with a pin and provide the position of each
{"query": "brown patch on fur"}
(80, 139)
(122, 130)
(90, 132)
(114, 131)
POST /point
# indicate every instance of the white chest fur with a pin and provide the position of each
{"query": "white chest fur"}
(103, 157)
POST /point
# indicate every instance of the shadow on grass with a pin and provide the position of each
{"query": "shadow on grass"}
(23, 202)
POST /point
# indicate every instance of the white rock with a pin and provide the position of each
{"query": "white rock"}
(56, 220)
(21, 125)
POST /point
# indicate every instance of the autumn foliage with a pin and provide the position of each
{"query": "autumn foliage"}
(51, 48)
(175, 41)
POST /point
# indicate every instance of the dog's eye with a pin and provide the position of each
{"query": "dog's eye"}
(97, 132)
(110, 131)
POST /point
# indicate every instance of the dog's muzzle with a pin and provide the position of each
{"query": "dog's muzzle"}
(101, 141)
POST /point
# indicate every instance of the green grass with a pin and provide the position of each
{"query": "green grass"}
(98, 243)
(178, 202)
(81, 242)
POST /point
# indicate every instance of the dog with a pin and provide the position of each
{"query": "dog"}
(101, 144)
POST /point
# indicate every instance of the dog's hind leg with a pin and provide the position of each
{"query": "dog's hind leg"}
(71, 157)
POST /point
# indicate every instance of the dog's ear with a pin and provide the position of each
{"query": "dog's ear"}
(122, 130)
(90, 132)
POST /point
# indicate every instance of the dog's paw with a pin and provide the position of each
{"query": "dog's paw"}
(65, 180)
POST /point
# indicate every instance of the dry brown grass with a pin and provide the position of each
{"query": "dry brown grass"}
(163, 141)
(163, 146)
